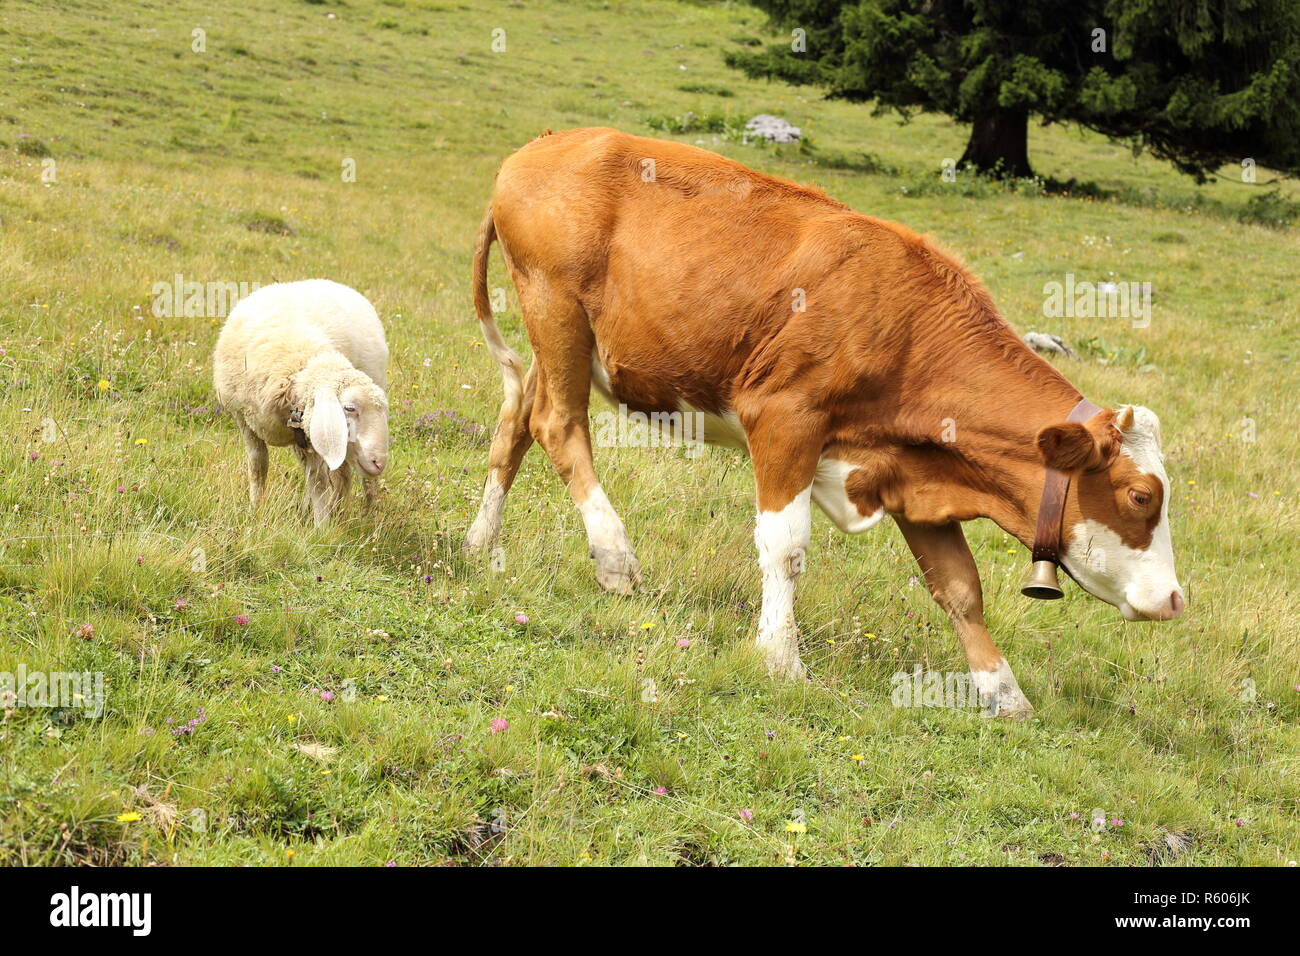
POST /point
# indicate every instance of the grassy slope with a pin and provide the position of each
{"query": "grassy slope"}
(164, 154)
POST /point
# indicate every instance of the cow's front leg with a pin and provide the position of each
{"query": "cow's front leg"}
(782, 540)
(785, 464)
(954, 582)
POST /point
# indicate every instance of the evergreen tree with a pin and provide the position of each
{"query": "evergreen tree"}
(1199, 83)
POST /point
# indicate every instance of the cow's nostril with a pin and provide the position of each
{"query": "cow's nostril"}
(1176, 602)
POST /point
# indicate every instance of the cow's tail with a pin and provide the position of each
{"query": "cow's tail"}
(512, 366)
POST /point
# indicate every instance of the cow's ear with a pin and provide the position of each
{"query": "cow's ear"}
(1124, 418)
(1069, 446)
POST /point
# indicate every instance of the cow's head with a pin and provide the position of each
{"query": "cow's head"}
(1115, 535)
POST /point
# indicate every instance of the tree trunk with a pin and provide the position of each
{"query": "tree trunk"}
(999, 144)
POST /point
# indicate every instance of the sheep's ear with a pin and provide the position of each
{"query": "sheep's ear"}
(329, 428)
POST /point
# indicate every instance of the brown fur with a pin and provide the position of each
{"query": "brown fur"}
(683, 284)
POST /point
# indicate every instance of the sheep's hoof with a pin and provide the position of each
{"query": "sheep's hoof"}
(323, 516)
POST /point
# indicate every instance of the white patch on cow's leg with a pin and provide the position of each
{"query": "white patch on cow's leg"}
(617, 568)
(1000, 693)
(833, 498)
(483, 532)
(782, 539)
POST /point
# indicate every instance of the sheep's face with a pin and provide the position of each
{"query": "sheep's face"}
(350, 423)
(366, 410)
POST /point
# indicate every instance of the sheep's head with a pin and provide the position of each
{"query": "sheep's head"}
(346, 418)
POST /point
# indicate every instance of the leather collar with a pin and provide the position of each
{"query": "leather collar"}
(1056, 484)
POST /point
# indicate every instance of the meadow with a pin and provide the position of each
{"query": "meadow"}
(361, 694)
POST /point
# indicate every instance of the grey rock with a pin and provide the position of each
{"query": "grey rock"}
(773, 128)
(1048, 344)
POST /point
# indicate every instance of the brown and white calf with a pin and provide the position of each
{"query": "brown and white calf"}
(860, 367)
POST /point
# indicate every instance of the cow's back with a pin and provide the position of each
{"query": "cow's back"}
(565, 196)
(691, 267)
(702, 278)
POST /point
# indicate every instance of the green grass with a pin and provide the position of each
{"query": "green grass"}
(226, 165)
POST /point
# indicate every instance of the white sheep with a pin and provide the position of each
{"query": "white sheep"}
(305, 364)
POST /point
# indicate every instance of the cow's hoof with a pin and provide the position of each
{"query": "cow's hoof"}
(788, 671)
(1013, 712)
(1010, 704)
(479, 539)
(784, 664)
(1000, 694)
(618, 573)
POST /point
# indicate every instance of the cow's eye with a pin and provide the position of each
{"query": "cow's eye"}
(1139, 498)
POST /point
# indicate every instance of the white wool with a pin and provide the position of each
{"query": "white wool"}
(287, 344)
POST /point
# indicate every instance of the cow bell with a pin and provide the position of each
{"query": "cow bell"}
(1041, 582)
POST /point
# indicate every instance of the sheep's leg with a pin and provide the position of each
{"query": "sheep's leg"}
(329, 489)
(340, 484)
(371, 485)
(257, 460)
(320, 494)
(305, 460)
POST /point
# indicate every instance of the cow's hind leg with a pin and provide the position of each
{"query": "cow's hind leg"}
(954, 582)
(510, 441)
(562, 342)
